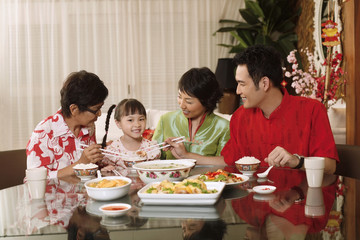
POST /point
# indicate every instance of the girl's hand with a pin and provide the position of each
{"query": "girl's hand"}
(177, 149)
(91, 154)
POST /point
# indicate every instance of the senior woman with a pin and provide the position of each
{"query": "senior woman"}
(55, 142)
(205, 132)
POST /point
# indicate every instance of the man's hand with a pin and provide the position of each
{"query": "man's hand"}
(279, 157)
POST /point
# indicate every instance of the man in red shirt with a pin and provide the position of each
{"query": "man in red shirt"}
(271, 125)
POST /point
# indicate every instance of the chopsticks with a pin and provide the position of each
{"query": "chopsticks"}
(148, 149)
(106, 152)
(117, 173)
(158, 146)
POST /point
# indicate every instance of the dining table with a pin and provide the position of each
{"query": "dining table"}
(293, 211)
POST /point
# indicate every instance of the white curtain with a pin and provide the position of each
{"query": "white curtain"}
(139, 48)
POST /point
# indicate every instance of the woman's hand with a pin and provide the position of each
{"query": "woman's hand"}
(91, 154)
(279, 157)
(177, 149)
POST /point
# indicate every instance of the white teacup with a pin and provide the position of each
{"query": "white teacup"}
(314, 167)
(36, 182)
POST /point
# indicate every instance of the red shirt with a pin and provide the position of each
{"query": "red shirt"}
(299, 124)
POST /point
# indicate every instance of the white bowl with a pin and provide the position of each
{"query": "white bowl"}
(85, 171)
(115, 209)
(247, 165)
(159, 170)
(105, 194)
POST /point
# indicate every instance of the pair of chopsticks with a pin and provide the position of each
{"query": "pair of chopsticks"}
(161, 145)
(105, 152)
(117, 173)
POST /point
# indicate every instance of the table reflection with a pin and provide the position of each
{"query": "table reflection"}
(66, 209)
(281, 215)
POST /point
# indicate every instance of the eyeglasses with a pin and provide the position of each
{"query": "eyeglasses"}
(95, 112)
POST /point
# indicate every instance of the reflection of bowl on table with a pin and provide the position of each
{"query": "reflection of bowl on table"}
(247, 165)
(85, 171)
(131, 160)
(263, 197)
(108, 193)
(115, 221)
(159, 170)
(185, 212)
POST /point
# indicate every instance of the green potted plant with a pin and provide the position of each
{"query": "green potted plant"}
(267, 22)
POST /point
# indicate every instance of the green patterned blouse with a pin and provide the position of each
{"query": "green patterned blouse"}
(209, 140)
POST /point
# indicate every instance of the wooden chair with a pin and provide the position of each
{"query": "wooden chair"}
(13, 165)
(349, 165)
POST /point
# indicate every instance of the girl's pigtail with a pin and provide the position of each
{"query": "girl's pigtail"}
(103, 144)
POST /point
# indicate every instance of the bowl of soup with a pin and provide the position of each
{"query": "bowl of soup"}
(159, 170)
(108, 188)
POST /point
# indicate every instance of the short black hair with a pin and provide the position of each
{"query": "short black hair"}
(201, 83)
(84, 89)
(262, 61)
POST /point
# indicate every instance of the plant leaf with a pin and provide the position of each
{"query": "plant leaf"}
(227, 29)
(247, 36)
(285, 26)
(245, 26)
(237, 49)
(291, 37)
(249, 17)
(228, 21)
(254, 8)
(242, 43)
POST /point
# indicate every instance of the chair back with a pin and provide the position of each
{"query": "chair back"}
(13, 165)
(349, 165)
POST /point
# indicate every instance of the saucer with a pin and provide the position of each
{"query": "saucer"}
(264, 189)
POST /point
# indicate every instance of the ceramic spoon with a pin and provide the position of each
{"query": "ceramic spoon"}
(264, 174)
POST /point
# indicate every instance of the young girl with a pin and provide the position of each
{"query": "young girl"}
(130, 117)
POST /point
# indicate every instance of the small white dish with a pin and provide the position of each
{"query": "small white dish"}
(115, 209)
(264, 189)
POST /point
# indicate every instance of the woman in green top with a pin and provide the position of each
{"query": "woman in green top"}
(205, 132)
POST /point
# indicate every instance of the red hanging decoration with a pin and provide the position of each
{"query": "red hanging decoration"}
(330, 33)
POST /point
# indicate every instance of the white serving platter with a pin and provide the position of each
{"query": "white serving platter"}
(182, 199)
(245, 179)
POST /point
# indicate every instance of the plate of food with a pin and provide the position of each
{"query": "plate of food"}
(187, 192)
(221, 176)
